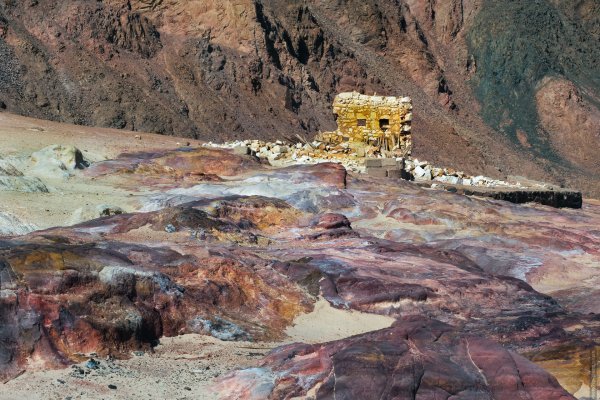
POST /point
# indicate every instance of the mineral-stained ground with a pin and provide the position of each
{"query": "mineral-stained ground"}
(414, 293)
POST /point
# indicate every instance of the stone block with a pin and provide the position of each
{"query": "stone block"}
(279, 149)
(373, 163)
(377, 172)
(241, 150)
(421, 174)
(435, 172)
(394, 173)
(388, 162)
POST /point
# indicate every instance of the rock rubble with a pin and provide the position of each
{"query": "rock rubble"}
(278, 153)
(357, 160)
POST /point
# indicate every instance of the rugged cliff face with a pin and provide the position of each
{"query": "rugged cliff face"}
(476, 70)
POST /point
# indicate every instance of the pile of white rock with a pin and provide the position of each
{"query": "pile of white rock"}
(279, 153)
(423, 171)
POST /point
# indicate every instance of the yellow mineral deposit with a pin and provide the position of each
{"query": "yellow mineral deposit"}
(372, 125)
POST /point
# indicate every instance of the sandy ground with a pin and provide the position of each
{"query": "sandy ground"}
(327, 323)
(180, 368)
(21, 136)
(45, 210)
(183, 367)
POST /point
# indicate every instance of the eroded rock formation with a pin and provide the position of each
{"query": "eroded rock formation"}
(412, 359)
(471, 282)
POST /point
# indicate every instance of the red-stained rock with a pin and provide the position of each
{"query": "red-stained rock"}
(416, 358)
(239, 259)
(201, 161)
(332, 221)
(62, 300)
(256, 211)
(183, 165)
(572, 123)
(330, 174)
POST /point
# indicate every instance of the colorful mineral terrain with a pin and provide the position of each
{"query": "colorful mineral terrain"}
(180, 271)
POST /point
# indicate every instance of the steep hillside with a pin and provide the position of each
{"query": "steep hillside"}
(500, 87)
(520, 47)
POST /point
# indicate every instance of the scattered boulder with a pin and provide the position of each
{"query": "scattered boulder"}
(453, 180)
(422, 174)
(92, 364)
(107, 210)
(170, 228)
(479, 180)
(88, 213)
(25, 184)
(219, 328)
(331, 221)
(57, 161)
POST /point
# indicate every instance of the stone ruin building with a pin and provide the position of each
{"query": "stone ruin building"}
(372, 124)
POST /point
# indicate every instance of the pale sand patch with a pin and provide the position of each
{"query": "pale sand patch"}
(149, 236)
(45, 210)
(20, 136)
(181, 367)
(185, 367)
(326, 323)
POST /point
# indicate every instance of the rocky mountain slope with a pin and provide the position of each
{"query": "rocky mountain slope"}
(500, 87)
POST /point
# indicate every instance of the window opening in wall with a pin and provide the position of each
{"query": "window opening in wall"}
(384, 124)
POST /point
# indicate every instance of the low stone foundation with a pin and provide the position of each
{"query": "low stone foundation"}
(387, 168)
(560, 198)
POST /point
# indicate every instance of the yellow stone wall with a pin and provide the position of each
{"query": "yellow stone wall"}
(350, 108)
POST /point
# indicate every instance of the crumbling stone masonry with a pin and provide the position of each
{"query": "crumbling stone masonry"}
(375, 124)
(387, 168)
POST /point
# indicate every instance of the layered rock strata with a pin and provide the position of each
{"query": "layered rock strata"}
(226, 246)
